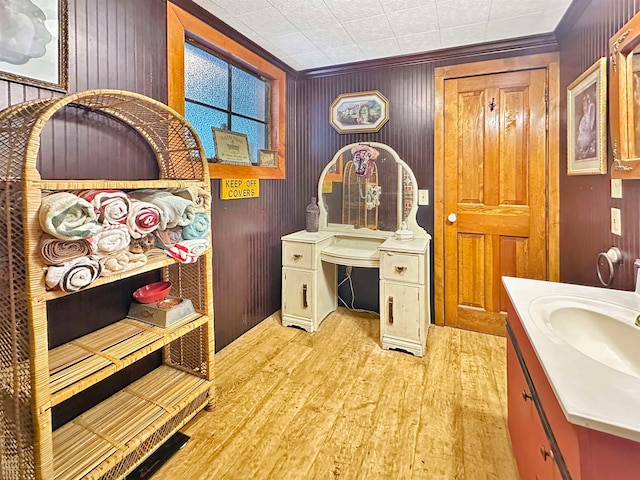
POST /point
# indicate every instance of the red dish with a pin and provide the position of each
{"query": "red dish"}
(154, 292)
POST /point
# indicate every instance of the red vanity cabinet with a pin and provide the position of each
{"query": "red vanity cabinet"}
(538, 422)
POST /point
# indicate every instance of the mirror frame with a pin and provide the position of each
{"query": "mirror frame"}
(412, 223)
(626, 161)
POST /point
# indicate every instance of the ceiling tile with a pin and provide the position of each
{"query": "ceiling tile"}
(307, 14)
(513, 27)
(268, 22)
(420, 42)
(294, 44)
(329, 38)
(212, 7)
(452, 13)
(381, 48)
(346, 10)
(346, 54)
(464, 35)
(244, 6)
(414, 20)
(509, 8)
(369, 29)
(396, 5)
(312, 59)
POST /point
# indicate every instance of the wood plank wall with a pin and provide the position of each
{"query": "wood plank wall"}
(409, 88)
(585, 201)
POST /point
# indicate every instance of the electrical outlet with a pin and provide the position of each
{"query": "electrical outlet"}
(423, 197)
(616, 188)
(616, 224)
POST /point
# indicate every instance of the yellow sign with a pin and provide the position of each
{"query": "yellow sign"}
(327, 187)
(235, 188)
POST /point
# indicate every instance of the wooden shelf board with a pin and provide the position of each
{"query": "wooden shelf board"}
(157, 259)
(116, 427)
(113, 184)
(83, 362)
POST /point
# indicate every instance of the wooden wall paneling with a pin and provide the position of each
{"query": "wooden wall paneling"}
(585, 225)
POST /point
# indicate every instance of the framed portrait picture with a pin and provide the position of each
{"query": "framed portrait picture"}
(268, 158)
(33, 43)
(231, 147)
(359, 112)
(587, 121)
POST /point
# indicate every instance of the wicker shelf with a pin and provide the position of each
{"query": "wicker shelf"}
(81, 363)
(109, 440)
(127, 423)
(113, 184)
(157, 259)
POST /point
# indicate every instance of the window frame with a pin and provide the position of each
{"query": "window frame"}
(181, 24)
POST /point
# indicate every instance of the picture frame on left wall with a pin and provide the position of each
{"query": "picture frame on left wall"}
(587, 121)
(33, 43)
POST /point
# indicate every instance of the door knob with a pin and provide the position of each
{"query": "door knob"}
(452, 217)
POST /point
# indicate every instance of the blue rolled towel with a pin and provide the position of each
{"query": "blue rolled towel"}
(197, 229)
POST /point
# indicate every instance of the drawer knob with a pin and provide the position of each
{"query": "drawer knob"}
(297, 256)
(545, 453)
(400, 269)
(526, 396)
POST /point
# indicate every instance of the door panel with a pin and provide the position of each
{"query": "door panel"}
(494, 182)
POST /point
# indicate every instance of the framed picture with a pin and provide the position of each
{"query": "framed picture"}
(231, 147)
(359, 112)
(268, 158)
(587, 121)
(33, 43)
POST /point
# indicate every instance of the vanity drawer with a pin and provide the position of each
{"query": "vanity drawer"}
(296, 254)
(401, 267)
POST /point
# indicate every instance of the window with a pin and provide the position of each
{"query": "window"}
(219, 94)
(216, 82)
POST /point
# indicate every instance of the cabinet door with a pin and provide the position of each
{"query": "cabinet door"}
(528, 439)
(297, 292)
(400, 311)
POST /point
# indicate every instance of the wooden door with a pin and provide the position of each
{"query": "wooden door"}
(494, 192)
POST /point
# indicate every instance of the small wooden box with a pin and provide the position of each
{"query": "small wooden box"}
(162, 314)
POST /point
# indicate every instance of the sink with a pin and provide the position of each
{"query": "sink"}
(603, 331)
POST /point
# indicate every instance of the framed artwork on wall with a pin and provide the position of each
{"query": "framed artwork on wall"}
(33, 43)
(587, 121)
(359, 112)
(231, 147)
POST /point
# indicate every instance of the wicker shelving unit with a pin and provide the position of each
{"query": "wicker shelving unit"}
(110, 439)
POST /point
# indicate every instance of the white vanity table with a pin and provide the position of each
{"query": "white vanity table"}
(355, 232)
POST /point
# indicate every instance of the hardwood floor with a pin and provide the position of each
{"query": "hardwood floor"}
(334, 405)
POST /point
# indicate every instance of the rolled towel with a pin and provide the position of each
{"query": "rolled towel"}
(199, 228)
(56, 252)
(111, 239)
(143, 244)
(188, 251)
(198, 195)
(169, 237)
(67, 216)
(112, 205)
(143, 218)
(121, 262)
(174, 210)
(73, 275)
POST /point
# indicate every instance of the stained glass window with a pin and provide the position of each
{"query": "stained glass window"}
(221, 95)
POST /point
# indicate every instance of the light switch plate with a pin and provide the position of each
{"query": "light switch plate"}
(616, 224)
(616, 188)
(423, 197)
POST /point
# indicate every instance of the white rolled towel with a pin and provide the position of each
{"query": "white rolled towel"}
(188, 251)
(67, 217)
(175, 211)
(73, 275)
(112, 205)
(111, 239)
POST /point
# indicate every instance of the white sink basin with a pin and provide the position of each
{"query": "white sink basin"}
(602, 331)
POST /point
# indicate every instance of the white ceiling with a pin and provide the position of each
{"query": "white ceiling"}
(316, 33)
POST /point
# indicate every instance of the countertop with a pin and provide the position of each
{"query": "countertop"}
(590, 393)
